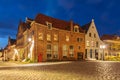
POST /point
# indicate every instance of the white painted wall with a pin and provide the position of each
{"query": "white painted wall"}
(92, 29)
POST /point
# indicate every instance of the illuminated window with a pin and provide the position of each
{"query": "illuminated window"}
(49, 25)
(65, 51)
(48, 37)
(40, 36)
(92, 43)
(88, 43)
(67, 38)
(55, 51)
(71, 51)
(49, 51)
(55, 37)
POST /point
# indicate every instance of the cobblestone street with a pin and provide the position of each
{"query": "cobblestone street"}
(81, 70)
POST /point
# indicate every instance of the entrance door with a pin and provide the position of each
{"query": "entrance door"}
(85, 53)
(96, 54)
(90, 53)
(40, 58)
(80, 55)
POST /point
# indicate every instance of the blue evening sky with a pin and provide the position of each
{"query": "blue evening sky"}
(106, 14)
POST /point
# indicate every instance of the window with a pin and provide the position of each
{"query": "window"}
(79, 39)
(65, 51)
(55, 37)
(40, 36)
(71, 51)
(49, 51)
(67, 38)
(79, 47)
(97, 44)
(48, 37)
(94, 35)
(92, 43)
(49, 25)
(88, 43)
(89, 34)
(76, 29)
(55, 51)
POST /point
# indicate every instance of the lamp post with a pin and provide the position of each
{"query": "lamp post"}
(102, 47)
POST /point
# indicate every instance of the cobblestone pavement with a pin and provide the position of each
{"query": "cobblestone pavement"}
(80, 70)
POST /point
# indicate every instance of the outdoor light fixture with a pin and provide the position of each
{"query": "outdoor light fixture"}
(102, 47)
(29, 39)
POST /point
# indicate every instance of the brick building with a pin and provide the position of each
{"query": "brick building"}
(112, 43)
(46, 38)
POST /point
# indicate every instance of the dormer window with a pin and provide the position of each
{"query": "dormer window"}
(49, 25)
(76, 28)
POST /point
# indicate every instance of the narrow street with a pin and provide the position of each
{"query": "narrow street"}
(84, 70)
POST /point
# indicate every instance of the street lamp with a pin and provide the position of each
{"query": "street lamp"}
(102, 47)
(29, 39)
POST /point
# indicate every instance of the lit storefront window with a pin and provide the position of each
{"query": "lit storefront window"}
(71, 51)
(55, 51)
(65, 51)
(49, 51)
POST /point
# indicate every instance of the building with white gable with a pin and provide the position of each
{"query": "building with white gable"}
(92, 41)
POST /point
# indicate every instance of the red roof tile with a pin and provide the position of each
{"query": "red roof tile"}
(56, 23)
(109, 37)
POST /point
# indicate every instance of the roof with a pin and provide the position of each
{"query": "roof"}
(86, 26)
(56, 23)
(25, 25)
(109, 37)
(12, 41)
(1, 50)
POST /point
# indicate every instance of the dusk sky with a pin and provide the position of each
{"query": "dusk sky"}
(106, 14)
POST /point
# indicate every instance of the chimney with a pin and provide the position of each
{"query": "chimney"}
(71, 25)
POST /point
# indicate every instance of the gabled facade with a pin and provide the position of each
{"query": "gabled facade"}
(8, 52)
(22, 44)
(92, 41)
(1, 54)
(51, 39)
